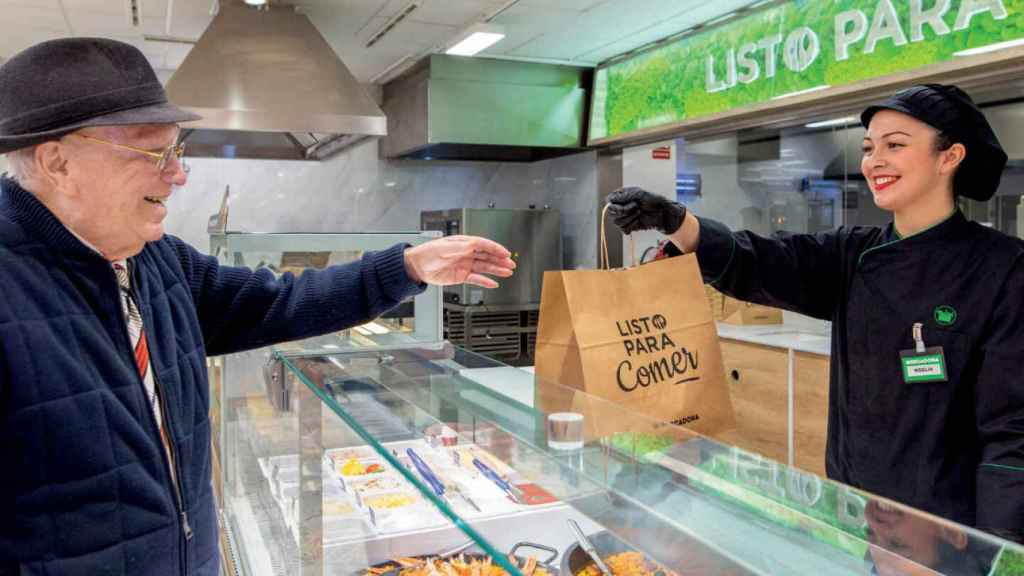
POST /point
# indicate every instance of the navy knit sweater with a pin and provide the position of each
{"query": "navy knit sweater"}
(87, 490)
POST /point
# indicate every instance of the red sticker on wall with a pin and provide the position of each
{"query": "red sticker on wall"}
(662, 153)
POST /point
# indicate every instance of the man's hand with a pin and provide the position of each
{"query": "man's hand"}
(635, 209)
(459, 260)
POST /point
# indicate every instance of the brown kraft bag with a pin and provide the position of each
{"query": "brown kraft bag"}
(641, 337)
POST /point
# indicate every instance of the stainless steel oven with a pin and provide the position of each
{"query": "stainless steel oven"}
(533, 235)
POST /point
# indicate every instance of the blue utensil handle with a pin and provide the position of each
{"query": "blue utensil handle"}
(425, 472)
(491, 475)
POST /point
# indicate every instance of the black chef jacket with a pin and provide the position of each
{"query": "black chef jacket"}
(953, 448)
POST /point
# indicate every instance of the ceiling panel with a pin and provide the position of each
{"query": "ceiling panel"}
(154, 8)
(154, 26)
(116, 7)
(17, 39)
(176, 53)
(155, 49)
(654, 32)
(460, 13)
(42, 17)
(562, 5)
(85, 23)
(13, 5)
(408, 37)
(346, 17)
(189, 18)
(580, 31)
(603, 29)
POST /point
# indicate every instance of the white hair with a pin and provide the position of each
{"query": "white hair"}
(22, 163)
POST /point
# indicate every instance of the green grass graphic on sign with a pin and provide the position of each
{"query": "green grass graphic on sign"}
(792, 47)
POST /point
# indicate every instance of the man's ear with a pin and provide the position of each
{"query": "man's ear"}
(951, 158)
(51, 165)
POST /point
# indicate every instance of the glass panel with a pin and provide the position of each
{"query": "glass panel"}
(257, 409)
(260, 464)
(377, 459)
(690, 504)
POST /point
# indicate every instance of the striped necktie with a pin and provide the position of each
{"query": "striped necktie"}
(138, 339)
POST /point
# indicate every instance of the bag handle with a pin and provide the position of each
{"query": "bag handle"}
(604, 261)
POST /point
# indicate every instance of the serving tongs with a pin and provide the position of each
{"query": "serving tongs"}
(588, 547)
(435, 483)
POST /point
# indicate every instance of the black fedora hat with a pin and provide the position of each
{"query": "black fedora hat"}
(59, 86)
(951, 111)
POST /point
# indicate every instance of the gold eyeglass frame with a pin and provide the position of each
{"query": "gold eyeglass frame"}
(162, 158)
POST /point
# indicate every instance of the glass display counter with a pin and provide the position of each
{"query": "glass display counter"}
(389, 456)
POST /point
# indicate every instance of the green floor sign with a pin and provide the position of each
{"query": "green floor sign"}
(795, 47)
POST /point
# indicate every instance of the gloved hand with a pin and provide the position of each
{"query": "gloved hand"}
(634, 208)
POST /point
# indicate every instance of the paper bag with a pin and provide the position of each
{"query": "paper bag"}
(642, 338)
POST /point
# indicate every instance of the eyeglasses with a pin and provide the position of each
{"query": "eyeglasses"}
(162, 158)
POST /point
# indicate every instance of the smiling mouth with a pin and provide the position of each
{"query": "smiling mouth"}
(883, 182)
(156, 200)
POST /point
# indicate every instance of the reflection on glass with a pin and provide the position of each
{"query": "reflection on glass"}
(909, 544)
(686, 503)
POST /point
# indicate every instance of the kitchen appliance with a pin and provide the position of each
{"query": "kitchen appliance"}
(501, 323)
(457, 108)
(268, 85)
(534, 236)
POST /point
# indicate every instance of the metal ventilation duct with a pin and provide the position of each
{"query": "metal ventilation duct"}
(269, 86)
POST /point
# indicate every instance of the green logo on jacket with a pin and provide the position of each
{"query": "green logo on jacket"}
(945, 315)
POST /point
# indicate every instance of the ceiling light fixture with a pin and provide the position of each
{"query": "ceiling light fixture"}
(990, 47)
(833, 122)
(475, 39)
(392, 22)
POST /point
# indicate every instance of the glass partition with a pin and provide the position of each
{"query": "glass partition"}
(394, 456)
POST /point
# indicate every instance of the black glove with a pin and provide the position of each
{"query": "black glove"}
(635, 209)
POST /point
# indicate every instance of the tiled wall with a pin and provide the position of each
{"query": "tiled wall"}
(357, 191)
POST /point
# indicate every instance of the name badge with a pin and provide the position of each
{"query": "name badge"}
(929, 366)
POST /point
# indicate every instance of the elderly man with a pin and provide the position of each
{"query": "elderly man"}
(105, 322)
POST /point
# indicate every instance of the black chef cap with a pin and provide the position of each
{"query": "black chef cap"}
(951, 111)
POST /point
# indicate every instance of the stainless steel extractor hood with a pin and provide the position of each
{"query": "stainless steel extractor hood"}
(460, 108)
(269, 86)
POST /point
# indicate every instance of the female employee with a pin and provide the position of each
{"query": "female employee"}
(933, 417)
